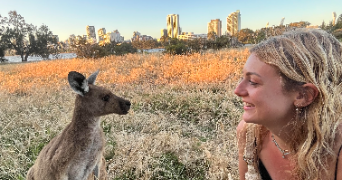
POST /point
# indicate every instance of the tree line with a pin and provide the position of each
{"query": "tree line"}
(88, 48)
(25, 39)
(248, 36)
(244, 36)
(198, 45)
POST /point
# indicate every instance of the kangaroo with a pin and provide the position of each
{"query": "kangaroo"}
(77, 152)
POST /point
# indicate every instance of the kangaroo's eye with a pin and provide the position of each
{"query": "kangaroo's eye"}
(106, 98)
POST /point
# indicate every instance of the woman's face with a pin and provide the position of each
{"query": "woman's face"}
(261, 90)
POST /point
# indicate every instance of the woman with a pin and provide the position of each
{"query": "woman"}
(291, 90)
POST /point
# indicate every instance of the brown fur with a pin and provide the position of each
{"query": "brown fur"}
(78, 149)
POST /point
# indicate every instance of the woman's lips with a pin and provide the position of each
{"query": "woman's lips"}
(248, 106)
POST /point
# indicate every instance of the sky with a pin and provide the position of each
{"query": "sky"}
(67, 17)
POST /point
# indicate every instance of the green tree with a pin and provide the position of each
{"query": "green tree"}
(85, 49)
(245, 36)
(196, 45)
(337, 28)
(138, 44)
(329, 27)
(2, 55)
(212, 44)
(211, 35)
(62, 47)
(259, 35)
(24, 38)
(176, 46)
(338, 34)
(150, 44)
(17, 34)
(46, 43)
(164, 40)
(224, 41)
(300, 24)
(3, 48)
(323, 25)
(109, 48)
(338, 23)
(124, 48)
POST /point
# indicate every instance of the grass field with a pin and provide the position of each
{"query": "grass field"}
(181, 125)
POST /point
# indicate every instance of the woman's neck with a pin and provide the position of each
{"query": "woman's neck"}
(282, 136)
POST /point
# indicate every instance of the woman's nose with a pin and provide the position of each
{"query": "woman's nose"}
(240, 90)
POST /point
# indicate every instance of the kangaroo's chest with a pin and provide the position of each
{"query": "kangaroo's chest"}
(88, 158)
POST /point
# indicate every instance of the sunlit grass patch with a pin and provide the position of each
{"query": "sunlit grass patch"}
(157, 69)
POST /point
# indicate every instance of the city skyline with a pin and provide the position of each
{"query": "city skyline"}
(71, 17)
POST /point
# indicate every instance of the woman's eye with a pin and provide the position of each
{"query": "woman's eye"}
(106, 98)
(252, 83)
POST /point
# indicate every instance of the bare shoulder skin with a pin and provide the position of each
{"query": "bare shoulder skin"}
(77, 152)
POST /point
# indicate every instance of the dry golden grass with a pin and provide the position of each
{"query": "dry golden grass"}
(133, 68)
(183, 109)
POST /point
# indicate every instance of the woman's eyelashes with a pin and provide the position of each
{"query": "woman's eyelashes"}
(252, 82)
(247, 79)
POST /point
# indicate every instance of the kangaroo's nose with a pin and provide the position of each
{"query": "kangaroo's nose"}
(128, 103)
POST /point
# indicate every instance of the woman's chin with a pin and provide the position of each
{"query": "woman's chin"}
(249, 119)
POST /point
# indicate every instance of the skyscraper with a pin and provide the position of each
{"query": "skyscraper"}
(163, 32)
(101, 32)
(282, 21)
(234, 22)
(91, 32)
(173, 28)
(215, 25)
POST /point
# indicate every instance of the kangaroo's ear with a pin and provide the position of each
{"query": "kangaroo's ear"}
(92, 78)
(78, 83)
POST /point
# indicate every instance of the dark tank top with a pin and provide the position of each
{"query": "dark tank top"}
(265, 176)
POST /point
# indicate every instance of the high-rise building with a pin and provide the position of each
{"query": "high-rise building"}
(282, 21)
(334, 18)
(234, 23)
(191, 36)
(117, 36)
(163, 32)
(113, 37)
(173, 28)
(138, 37)
(215, 25)
(91, 32)
(101, 32)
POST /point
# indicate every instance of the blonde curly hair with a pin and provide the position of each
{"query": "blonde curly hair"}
(308, 56)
